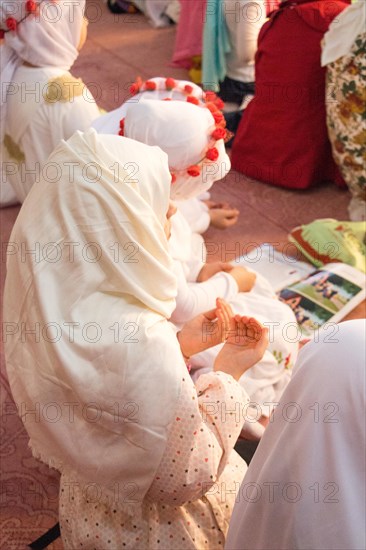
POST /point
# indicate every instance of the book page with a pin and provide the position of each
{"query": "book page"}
(326, 295)
(278, 268)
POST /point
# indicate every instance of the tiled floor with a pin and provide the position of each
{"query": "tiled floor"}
(118, 49)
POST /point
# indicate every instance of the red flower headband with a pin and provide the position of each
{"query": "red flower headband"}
(31, 8)
(210, 101)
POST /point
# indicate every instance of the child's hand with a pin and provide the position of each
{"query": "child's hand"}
(223, 217)
(245, 346)
(206, 330)
(245, 279)
(213, 204)
(210, 269)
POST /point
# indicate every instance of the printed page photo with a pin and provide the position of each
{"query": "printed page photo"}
(318, 298)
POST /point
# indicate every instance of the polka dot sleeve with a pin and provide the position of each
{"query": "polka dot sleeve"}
(201, 439)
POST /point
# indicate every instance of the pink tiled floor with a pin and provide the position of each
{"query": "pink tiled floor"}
(118, 49)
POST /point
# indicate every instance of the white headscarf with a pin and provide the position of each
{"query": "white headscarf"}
(183, 131)
(343, 31)
(49, 39)
(104, 362)
(109, 123)
(305, 487)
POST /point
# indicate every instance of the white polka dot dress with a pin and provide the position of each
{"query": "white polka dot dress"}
(190, 501)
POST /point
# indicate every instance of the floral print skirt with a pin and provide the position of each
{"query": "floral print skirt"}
(346, 116)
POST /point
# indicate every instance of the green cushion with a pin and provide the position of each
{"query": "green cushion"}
(329, 240)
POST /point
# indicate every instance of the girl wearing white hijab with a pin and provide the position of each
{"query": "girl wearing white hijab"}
(184, 131)
(305, 487)
(146, 460)
(199, 213)
(41, 102)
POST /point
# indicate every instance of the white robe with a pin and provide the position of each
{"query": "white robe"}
(184, 132)
(141, 453)
(305, 487)
(29, 129)
(265, 381)
(35, 126)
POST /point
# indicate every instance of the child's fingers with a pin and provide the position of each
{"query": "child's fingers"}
(224, 308)
(227, 307)
(211, 315)
(263, 342)
(248, 328)
(229, 316)
(219, 205)
(221, 324)
(230, 211)
(256, 328)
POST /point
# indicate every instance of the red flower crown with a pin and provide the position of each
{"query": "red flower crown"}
(31, 8)
(209, 101)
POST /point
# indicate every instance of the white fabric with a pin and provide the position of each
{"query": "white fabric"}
(109, 122)
(183, 131)
(195, 298)
(190, 501)
(48, 40)
(178, 241)
(343, 31)
(244, 19)
(196, 213)
(37, 127)
(112, 285)
(266, 381)
(357, 210)
(305, 487)
(159, 123)
(157, 11)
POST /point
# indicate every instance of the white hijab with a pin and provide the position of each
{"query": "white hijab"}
(109, 123)
(104, 362)
(305, 487)
(49, 39)
(343, 31)
(183, 131)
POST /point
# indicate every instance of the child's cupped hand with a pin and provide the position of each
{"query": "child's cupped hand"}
(206, 330)
(245, 345)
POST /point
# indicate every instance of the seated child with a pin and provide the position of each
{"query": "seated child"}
(131, 396)
(43, 103)
(192, 137)
(199, 214)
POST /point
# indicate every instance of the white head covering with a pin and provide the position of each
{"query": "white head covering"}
(49, 39)
(343, 31)
(109, 123)
(183, 131)
(99, 288)
(305, 487)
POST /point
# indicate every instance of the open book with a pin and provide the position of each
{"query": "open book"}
(316, 296)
